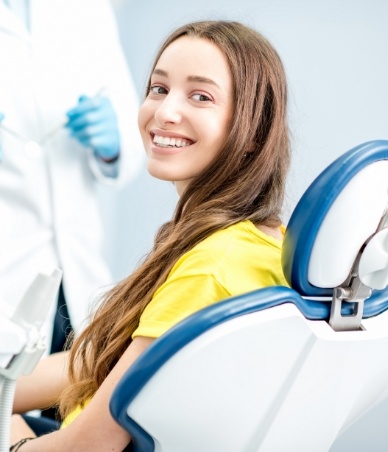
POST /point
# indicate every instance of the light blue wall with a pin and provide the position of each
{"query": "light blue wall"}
(335, 53)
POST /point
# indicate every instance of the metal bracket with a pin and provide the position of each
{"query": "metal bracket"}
(352, 293)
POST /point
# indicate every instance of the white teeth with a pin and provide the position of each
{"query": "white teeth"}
(167, 141)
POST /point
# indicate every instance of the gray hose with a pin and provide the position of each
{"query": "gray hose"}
(7, 391)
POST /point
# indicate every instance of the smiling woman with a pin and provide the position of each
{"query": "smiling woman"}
(214, 122)
(185, 117)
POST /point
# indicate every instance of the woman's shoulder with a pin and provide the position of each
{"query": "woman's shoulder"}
(240, 242)
(243, 232)
(240, 258)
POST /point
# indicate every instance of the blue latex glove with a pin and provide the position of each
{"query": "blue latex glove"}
(1, 116)
(93, 123)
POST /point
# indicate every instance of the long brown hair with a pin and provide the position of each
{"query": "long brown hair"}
(245, 181)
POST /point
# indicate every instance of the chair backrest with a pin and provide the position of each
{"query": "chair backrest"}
(265, 370)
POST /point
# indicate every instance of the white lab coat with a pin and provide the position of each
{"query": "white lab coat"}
(49, 209)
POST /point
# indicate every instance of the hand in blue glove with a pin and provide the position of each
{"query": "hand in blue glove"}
(93, 123)
(2, 116)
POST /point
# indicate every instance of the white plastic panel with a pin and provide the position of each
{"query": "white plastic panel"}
(353, 217)
(373, 267)
(12, 340)
(269, 381)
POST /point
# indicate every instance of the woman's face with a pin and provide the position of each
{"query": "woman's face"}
(184, 119)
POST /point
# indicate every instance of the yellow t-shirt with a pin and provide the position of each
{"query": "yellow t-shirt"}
(230, 262)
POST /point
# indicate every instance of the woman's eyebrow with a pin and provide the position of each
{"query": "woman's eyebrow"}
(190, 78)
(200, 79)
(161, 72)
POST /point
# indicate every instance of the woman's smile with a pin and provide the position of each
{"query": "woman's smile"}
(168, 144)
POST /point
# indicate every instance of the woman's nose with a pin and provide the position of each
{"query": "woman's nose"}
(169, 111)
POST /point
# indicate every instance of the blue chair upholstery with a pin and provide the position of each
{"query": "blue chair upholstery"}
(292, 403)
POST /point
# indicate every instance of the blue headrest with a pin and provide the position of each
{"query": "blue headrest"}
(313, 208)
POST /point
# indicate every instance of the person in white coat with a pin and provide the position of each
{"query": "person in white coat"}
(68, 107)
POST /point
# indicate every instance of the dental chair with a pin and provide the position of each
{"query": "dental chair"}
(280, 368)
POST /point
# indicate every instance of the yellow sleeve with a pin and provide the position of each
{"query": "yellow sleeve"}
(175, 300)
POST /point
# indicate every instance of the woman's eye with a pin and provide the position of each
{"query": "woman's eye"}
(157, 89)
(201, 97)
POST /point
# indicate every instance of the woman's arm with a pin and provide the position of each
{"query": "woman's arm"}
(94, 429)
(42, 388)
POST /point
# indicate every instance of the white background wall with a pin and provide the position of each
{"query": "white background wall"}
(336, 57)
